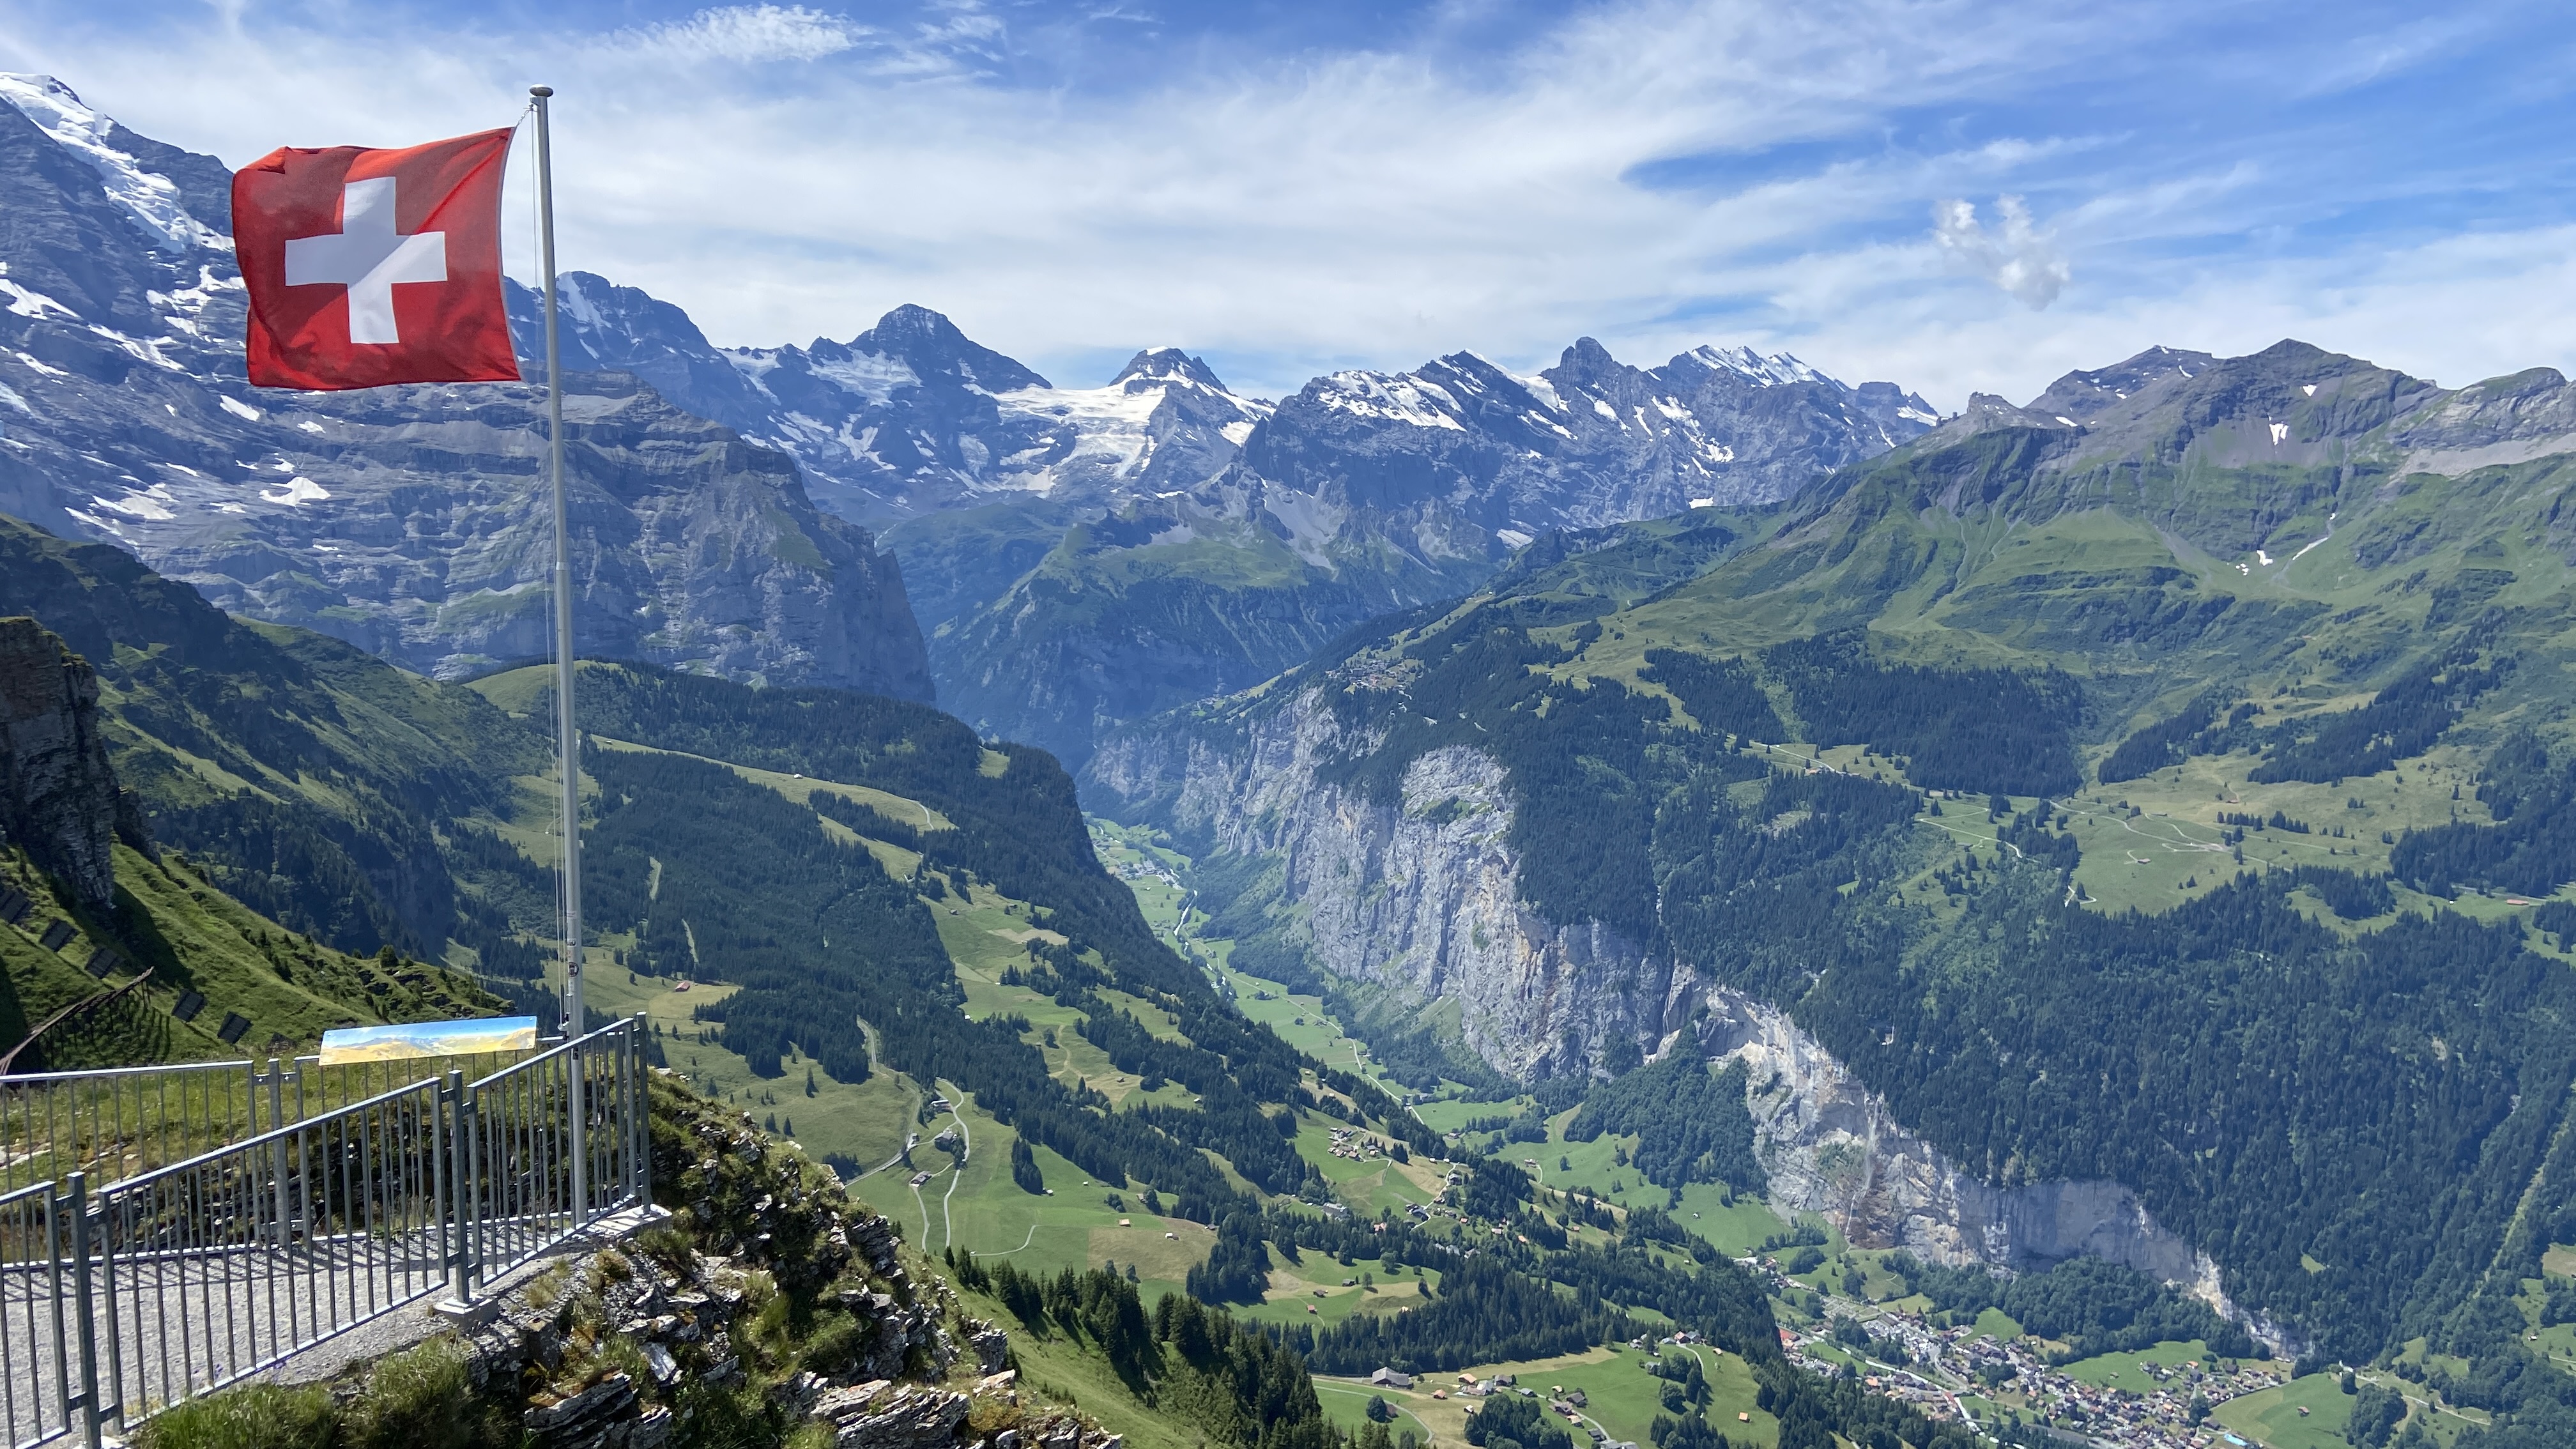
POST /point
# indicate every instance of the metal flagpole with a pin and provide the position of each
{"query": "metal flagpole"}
(567, 738)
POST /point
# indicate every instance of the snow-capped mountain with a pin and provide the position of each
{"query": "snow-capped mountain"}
(912, 417)
(1587, 442)
(1082, 555)
(407, 520)
(1363, 493)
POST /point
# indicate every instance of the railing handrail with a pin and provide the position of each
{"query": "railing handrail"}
(546, 1053)
(285, 1130)
(252, 1065)
(148, 1069)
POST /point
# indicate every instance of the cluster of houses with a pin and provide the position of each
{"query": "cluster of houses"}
(2160, 1418)
(1355, 1145)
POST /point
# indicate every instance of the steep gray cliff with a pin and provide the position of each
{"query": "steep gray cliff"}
(413, 523)
(59, 800)
(1421, 899)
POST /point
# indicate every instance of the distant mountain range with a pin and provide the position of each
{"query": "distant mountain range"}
(1082, 556)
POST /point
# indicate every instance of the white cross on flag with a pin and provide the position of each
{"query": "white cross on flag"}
(371, 267)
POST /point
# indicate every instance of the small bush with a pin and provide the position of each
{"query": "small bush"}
(417, 1399)
(666, 1244)
(253, 1416)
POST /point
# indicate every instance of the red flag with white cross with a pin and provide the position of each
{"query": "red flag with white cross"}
(369, 267)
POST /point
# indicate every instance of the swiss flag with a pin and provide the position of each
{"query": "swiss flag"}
(373, 267)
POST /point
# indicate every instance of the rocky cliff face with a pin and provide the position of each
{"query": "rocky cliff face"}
(59, 800)
(414, 523)
(411, 521)
(1831, 1147)
(1423, 900)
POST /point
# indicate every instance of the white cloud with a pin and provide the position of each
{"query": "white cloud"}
(1290, 214)
(751, 33)
(2015, 256)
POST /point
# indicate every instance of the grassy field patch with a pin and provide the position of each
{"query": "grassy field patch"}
(2124, 1370)
(2272, 1418)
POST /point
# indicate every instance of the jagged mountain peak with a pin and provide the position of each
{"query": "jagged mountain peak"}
(1156, 365)
(933, 345)
(1777, 370)
(1583, 362)
(132, 170)
(594, 303)
(1986, 412)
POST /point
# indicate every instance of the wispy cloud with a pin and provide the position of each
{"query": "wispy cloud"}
(750, 33)
(2016, 255)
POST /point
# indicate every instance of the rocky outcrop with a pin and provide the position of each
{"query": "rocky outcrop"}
(598, 1351)
(59, 800)
(609, 1349)
(1830, 1146)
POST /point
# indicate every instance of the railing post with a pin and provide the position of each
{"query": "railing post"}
(577, 1106)
(469, 1163)
(84, 1312)
(277, 1150)
(639, 1118)
(451, 1187)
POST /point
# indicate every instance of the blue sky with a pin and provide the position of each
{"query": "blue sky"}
(1954, 196)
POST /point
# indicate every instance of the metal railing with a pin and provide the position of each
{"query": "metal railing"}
(122, 1121)
(119, 1301)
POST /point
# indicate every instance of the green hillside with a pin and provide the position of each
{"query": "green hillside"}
(172, 920)
(345, 798)
(2176, 798)
(885, 928)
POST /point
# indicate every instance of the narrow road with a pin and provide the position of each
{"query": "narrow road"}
(957, 1174)
(1024, 1243)
(868, 1035)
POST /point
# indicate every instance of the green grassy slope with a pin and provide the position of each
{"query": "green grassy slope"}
(173, 920)
(320, 785)
(1007, 993)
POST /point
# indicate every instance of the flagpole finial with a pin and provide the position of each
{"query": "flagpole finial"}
(541, 91)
